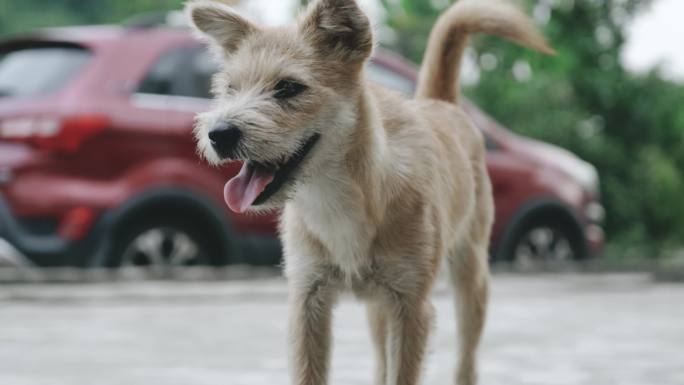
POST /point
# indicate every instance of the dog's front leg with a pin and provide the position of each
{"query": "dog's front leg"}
(377, 320)
(410, 321)
(311, 307)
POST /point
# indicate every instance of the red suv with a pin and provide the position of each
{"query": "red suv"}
(98, 167)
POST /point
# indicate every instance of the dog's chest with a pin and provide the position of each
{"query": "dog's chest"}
(333, 217)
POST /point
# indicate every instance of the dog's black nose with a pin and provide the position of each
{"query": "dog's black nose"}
(224, 138)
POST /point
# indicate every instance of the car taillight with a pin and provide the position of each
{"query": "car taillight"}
(48, 133)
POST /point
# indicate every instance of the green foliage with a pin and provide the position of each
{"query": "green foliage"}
(630, 127)
(19, 16)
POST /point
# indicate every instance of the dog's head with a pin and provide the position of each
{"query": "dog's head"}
(284, 98)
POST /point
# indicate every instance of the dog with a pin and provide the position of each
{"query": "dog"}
(376, 190)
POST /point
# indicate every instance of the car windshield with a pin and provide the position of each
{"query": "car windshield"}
(38, 71)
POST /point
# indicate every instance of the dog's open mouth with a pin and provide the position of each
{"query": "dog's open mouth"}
(258, 182)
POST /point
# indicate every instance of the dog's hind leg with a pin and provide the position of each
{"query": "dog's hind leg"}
(377, 320)
(469, 272)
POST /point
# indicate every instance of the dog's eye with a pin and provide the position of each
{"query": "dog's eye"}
(286, 89)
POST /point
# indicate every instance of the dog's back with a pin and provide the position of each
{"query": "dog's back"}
(437, 154)
(442, 154)
(448, 152)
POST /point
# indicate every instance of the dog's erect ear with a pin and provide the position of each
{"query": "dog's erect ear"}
(219, 23)
(339, 28)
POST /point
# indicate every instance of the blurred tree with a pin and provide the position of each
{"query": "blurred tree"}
(18, 16)
(630, 127)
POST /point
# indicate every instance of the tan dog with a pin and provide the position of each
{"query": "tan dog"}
(376, 189)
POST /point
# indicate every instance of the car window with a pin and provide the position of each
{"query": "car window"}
(390, 79)
(36, 71)
(185, 71)
(203, 68)
(490, 144)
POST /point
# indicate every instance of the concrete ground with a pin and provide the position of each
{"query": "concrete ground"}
(546, 330)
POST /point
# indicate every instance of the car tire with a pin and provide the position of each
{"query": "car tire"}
(543, 243)
(165, 244)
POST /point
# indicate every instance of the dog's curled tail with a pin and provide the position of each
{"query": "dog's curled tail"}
(439, 75)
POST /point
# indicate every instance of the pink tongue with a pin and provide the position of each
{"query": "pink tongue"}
(241, 191)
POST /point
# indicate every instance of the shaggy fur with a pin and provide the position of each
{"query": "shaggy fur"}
(392, 188)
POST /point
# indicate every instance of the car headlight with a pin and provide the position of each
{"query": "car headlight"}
(583, 173)
(587, 176)
(595, 212)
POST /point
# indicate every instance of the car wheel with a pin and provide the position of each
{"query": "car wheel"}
(164, 247)
(544, 244)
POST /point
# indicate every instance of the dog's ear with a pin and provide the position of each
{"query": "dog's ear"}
(339, 28)
(219, 23)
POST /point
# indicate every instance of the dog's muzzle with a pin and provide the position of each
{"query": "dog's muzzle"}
(225, 137)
